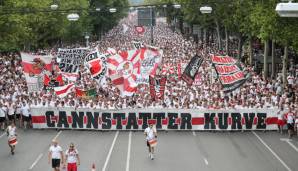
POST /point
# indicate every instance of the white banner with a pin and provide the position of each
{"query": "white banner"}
(71, 59)
(165, 119)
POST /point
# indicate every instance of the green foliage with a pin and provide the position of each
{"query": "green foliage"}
(249, 18)
(31, 23)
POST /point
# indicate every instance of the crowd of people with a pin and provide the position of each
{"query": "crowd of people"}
(257, 92)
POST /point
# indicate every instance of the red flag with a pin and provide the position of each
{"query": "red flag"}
(59, 79)
(46, 80)
(140, 29)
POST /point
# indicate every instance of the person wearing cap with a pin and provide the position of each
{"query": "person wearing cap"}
(72, 158)
(151, 135)
(55, 155)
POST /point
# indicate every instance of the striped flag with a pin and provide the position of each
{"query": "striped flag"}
(64, 90)
(123, 70)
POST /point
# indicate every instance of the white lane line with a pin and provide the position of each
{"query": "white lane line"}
(35, 162)
(206, 161)
(290, 143)
(194, 133)
(110, 152)
(128, 152)
(2, 135)
(274, 154)
(55, 138)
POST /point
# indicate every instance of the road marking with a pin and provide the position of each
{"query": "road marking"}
(35, 162)
(274, 154)
(55, 138)
(206, 161)
(110, 152)
(128, 152)
(290, 143)
(2, 135)
(194, 133)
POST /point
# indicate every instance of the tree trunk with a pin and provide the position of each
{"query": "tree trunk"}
(284, 66)
(273, 60)
(218, 35)
(227, 40)
(265, 67)
(239, 46)
(250, 53)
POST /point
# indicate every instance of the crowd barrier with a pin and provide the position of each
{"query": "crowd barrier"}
(164, 119)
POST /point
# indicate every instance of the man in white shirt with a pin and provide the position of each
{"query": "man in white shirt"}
(2, 117)
(72, 158)
(12, 136)
(151, 135)
(55, 155)
(25, 110)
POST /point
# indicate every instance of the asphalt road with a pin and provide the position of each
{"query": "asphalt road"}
(176, 151)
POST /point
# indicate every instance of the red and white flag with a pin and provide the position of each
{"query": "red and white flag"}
(96, 64)
(123, 69)
(64, 90)
(168, 69)
(33, 68)
(36, 64)
(140, 29)
(70, 76)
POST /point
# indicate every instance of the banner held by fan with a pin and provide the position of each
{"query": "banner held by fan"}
(34, 68)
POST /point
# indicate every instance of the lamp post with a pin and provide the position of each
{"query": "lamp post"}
(176, 6)
(87, 39)
(72, 18)
(54, 6)
(151, 26)
(205, 10)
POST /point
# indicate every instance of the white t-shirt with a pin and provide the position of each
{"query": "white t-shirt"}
(2, 113)
(71, 155)
(11, 131)
(150, 133)
(25, 110)
(56, 151)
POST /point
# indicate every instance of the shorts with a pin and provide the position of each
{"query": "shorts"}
(10, 117)
(290, 126)
(55, 163)
(148, 145)
(72, 167)
(18, 116)
(26, 118)
(2, 119)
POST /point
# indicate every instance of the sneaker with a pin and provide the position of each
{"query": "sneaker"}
(152, 157)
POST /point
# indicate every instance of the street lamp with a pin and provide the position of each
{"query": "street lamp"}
(113, 10)
(97, 9)
(73, 17)
(87, 39)
(177, 6)
(287, 9)
(206, 10)
(54, 6)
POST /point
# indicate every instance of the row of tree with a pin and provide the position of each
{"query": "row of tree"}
(31, 24)
(247, 20)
